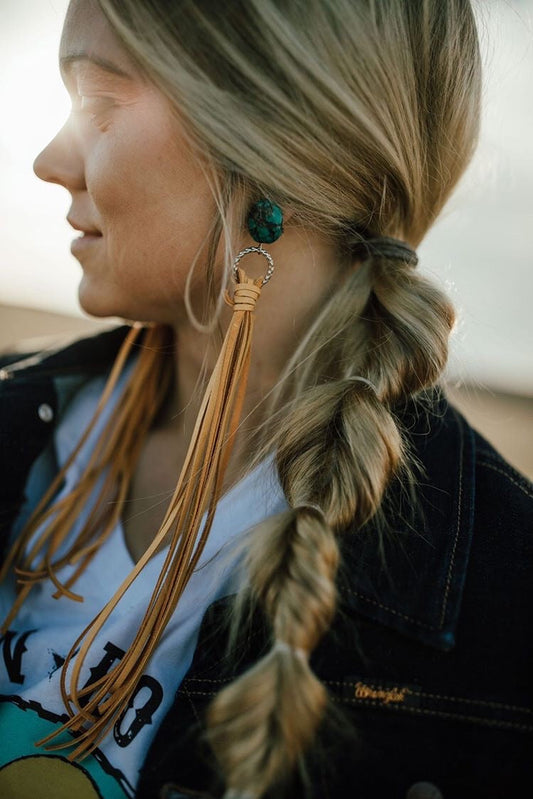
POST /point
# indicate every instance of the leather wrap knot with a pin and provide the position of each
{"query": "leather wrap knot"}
(245, 296)
(245, 293)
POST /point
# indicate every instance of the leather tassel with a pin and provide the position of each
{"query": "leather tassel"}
(116, 447)
(94, 709)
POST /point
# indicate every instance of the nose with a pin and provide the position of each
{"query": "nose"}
(61, 161)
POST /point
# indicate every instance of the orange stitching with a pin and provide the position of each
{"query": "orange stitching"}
(485, 702)
(424, 712)
(420, 711)
(443, 696)
(378, 686)
(187, 694)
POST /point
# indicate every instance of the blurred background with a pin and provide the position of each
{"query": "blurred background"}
(480, 249)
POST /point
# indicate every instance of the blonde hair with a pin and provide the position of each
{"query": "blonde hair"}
(360, 116)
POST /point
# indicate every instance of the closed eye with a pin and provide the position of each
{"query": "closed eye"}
(95, 105)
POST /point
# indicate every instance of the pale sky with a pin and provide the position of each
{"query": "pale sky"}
(481, 248)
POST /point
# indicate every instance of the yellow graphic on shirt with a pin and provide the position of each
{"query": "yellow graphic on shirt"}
(31, 772)
(46, 777)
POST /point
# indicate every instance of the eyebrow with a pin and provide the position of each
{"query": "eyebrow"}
(67, 60)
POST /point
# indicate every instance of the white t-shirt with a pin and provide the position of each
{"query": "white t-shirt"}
(44, 630)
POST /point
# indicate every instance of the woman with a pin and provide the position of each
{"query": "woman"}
(289, 526)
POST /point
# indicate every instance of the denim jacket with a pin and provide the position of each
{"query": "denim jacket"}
(429, 661)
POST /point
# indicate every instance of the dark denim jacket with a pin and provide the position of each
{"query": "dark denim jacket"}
(430, 657)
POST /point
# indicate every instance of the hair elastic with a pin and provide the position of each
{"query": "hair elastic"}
(384, 246)
(283, 646)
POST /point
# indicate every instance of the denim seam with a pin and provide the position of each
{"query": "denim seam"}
(439, 713)
(187, 694)
(407, 709)
(459, 505)
(494, 468)
(425, 694)
(391, 610)
(412, 692)
(450, 570)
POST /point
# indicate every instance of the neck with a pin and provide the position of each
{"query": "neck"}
(285, 309)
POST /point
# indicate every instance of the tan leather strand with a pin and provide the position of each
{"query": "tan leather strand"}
(94, 709)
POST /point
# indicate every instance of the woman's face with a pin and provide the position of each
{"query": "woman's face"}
(139, 196)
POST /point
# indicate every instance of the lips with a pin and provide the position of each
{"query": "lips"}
(86, 229)
(89, 236)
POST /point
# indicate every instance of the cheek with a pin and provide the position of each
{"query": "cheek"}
(155, 208)
(148, 180)
(113, 182)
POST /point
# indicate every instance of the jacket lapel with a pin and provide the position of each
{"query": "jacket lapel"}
(414, 581)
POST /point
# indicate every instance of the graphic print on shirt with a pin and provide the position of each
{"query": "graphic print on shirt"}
(27, 771)
(33, 653)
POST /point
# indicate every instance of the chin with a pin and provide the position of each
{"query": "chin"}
(100, 303)
(98, 300)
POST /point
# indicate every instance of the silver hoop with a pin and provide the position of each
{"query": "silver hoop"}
(269, 271)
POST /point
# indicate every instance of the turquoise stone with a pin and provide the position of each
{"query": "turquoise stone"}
(265, 221)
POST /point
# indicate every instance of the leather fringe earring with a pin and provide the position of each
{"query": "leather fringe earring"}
(94, 708)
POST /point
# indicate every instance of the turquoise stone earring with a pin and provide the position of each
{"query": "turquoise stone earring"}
(265, 224)
(265, 221)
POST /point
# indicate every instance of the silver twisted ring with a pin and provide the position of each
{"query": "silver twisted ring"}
(268, 274)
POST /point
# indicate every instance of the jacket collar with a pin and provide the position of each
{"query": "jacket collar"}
(90, 354)
(414, 581)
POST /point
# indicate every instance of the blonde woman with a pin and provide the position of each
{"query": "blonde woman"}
(250, 549)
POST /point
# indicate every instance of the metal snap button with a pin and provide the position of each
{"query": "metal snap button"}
(45, 412)
(423, 790)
